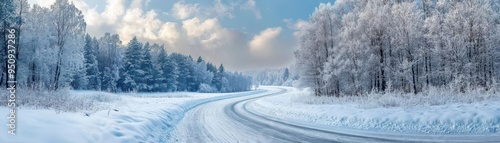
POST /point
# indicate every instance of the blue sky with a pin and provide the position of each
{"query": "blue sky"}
(242, 34)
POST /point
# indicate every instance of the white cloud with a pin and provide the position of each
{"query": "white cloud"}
(223, 10)
(299, 27)
(181, 10)
(169, 33)
(196, 28)
(113, 11)
(264, 44)
(251, 5)
(135, 23)
(136, 4)
(147, 3)
(268, 49)
(197, 34)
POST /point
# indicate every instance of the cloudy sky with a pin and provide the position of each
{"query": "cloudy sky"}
(242, 34)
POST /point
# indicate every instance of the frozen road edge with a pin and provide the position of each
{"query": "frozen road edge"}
(161, 129)
(359, 135)
(228, 121)
(293, 131)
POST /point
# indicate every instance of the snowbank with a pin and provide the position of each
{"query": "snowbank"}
(390, 114)
(133, 118)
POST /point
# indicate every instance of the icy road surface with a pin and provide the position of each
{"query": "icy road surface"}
(229, 121)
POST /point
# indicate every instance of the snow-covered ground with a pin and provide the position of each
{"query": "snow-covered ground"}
(136, 117)
(131, 118)
(481, 117)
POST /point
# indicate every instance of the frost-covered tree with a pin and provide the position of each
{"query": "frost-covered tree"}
(200, 74)
(110, 60)
(146, 79)
(34, 62)
(170, 72)
(183, 71)
(161, 84)
(403, 45)
(131, 72)
(406, 40)
(317, 46)
(80, 80)
(286, 74)
(276, 77)
(204, 76)
(219, 78)
(68, 57)
(69, 27)
(9, 18)
(91, 65)
(109, 83)
(193, 79)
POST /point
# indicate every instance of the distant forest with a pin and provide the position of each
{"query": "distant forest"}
(55, 52)
(354, 47)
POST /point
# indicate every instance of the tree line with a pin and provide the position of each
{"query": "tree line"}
(55, 52)
(275, 77)
(355, 47)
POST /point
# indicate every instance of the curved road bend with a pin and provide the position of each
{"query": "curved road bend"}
(229, 121)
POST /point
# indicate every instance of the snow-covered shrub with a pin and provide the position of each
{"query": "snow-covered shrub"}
(205, 88)
(432, 97)
(63, 100)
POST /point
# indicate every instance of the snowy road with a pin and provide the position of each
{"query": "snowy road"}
(229, 121)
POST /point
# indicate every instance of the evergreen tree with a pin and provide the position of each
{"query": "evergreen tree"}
(199, 60)
(193, 78)
(171, 72)
(211, 68)
(131, 71)
(91, 65)
(108, 80)
(219, 78)
(161, 83)
(286, 74)
(80, 80)
(183, 74)
(146, 79)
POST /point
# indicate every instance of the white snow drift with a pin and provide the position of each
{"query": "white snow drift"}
(133, 118)
(436, 113)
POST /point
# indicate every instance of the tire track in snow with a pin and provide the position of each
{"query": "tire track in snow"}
(228, 121)
(299, 133)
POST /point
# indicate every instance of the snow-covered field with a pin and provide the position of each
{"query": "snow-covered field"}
(427, 115)
(137, 117)
(129, 118)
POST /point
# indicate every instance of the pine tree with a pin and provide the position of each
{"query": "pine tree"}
(171, 72)
(131, 72)
(146, 79)
(199, 60)
(193, 79)
(108, 80)
(161, 83)
(183, 74)
(286, 74)
(91, 65)
(211, 68)
(219, 78)
(80, 80)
